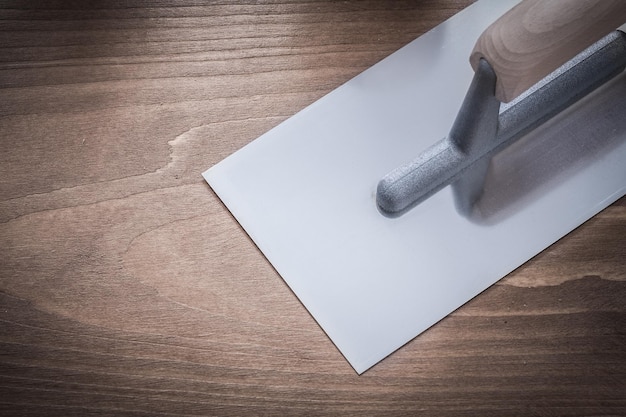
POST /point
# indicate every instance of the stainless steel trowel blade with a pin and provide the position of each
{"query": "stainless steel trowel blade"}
(304, 192)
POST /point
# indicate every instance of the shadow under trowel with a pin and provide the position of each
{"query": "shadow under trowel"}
(498, 187)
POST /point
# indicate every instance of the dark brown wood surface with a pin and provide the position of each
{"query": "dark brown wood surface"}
(126, 288)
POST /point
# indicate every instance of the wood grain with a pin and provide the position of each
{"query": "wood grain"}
(126, 288)
(536, 37)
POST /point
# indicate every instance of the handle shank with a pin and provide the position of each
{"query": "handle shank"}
(537, 36)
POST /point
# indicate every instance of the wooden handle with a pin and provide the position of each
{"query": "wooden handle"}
(537, 36)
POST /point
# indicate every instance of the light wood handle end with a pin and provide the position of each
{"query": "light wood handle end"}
(537, 36)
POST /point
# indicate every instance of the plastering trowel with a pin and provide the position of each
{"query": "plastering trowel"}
(348, 199)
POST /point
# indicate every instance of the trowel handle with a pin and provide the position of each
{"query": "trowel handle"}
(537, 36)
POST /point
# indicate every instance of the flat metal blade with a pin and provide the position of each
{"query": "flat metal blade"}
(305, 193)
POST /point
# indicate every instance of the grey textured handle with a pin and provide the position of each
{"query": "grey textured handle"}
(478, 131)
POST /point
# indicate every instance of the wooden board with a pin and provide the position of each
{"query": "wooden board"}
(126, 288)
